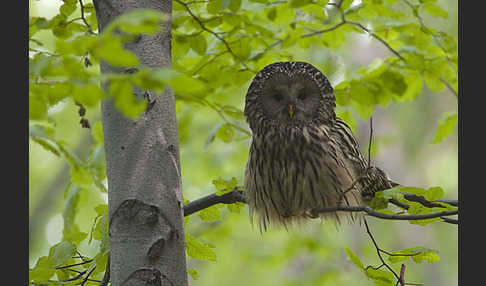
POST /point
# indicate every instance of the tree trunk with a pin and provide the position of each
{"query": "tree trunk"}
(143, 169)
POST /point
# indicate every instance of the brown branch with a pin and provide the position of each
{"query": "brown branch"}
(207, 201)
(373, 213)
(402, 275)
(237, 196)
(421, 200)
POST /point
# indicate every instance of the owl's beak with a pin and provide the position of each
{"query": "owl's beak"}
(291, 111)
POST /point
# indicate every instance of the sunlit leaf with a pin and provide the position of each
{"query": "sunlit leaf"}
(199, 250)
(447, 124)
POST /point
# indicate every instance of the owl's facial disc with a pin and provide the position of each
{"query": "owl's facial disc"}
(291, 100)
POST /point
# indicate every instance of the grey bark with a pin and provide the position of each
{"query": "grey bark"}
(143, 169)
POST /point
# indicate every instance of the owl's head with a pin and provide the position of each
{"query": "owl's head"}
(289, 94)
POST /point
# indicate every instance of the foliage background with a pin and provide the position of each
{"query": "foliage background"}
(313, 255)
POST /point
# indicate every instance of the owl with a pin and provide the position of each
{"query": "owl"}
(302, 156)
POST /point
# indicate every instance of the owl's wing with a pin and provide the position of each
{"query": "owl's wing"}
(341, 165)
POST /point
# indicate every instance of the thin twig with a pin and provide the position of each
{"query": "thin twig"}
(376, 37)
(210, 61)
(323, 31)
(378, 249)
(416, 13)
(84, 19)
(76, 264)
(450, 220)
(402, 275)
(201, 24)
(371, 140)
(87, 276)
(449, 87)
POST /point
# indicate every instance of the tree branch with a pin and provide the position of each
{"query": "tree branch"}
(201, 24)
(373, 213)
(210, 200)
(237, 196)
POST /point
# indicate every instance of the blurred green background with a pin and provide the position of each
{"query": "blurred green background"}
(312, 255)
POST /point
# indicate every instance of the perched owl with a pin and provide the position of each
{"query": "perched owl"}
(302, 156)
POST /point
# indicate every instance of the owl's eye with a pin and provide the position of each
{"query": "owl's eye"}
(277, 96)
(301, 96)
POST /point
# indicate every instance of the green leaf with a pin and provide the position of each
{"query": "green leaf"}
(434, 10)
(81, 176)
(234, 5)
(225, 185)
(298, 3)
(199, 250)
(199, 44)
(242, 48)
(43, 270)
(101, 228)
(235, 208)
(47, 145)
(418, 254)
(71, 231)
(378, 202)
(210, 214)
(97, 133)
(184, 85)
(446, 126)
(429, 256)
(137, 21)
(394, 81)
(272, 13)
(225, 133)
(37, 108)
(433, 81)
(354, 258)
(431, 194)
(214, 6)
(74, 235)
(434, 193)
(111, 50)
(61, 252)
(193, 273)
(232, 111)
(67, 8)
(380, 277)
(88, 95)
(125, 100)
(414, 83)
(101, 209)
(393, 193)
(347, 117)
